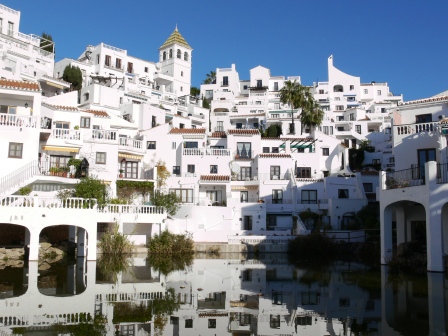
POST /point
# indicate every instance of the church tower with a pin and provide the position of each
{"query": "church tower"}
(175, 60)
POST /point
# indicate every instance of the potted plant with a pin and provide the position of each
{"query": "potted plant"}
(121, 173)
(64, 171)
(53, 171)
(76, 127)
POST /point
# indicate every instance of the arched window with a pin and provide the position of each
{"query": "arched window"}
(185, 56)
(171, 53)
(179, 54)
(338, 88)
(164, 55)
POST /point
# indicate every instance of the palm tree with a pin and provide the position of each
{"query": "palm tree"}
(210, 78)
(293, 94)
(312, 115)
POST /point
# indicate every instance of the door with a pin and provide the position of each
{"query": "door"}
(424, 155)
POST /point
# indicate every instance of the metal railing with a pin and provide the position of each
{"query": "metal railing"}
(442, 173)
(415, 176)
(20, 175)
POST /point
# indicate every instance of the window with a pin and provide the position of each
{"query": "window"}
(274, 321)
(309, 196)
(130, 67)
(185, 195)
(176, 170)
(358, 129)
(213, 169)
(59, 161)
(258, 102)
(277, 196)
(275, 172)
(244, 87)
(325, 151)
(164, 56)
(368, 187)
(186, 56)
(265, 149)
(246, 275)
(85, 122)
(171, 53)
(181, 73)
(212, 323)
(245, 173)
(274, 150)
(376, 161)
(174, 320)
(190, 169)
(304, 172)
(352, 87)
(225, 80)
(15, 150)
(337, 98)
(10, 28)
(100, 158)
(352, 116)
(277, 106)
(146, 69)
(321, 91)
(107, 61)
(342, 193)
(130, 169)
(366, 91)
(423, 118)
(379, 92)
(243, 150)
(310, 298)
(118, 63)
(179, 54)
(189, 323)
(150, 144)
(247, 222)
(340, 108)
(8, 109)
(181, 125)
(181, 89)
(190, 144)
(331, 130)
(259, 83)
(277, 298)
(127, 330)
(244, 196)
(173, 145)
(325, 130)
(275, 86)
(86, 96)
(220, 126)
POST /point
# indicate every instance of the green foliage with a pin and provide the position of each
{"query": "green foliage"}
(115, 243)
(210, 78)
(91, 187)
(369, 216)
(25, 191)
(125, 312)
(162, 173)
(205, 103)
(110, 265)
(170, 243)
(314, 247)
(171, 263)
(46, 43)
(87, 327)
(194, 91)
(273, 131)
(170, 201)
(127, 189)
(73, 74)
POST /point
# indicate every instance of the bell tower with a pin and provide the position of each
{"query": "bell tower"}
(175, 60)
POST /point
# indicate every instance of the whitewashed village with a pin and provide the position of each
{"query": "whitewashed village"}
(244, 164)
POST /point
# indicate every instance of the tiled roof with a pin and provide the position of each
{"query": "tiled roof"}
(369, 173)
(247, 115)
(428, 100)
(61, 107)
(215, 178)
(275, 156)
(187, 131)
(219, 135)
(290, 139)
(97, 113)
(19, 85)
(243, 132)
(57, 80)
(177, 38)
(364, 119)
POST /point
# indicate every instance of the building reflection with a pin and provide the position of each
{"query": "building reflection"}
(229, 294)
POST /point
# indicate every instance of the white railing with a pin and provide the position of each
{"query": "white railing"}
(193, 151)
(43, 52)
(113, 48)
(18, 121)
(131, 143)
(20, 175)
(10, 10)
(217, 152)
(132, 209)
(104, 135)
(67, 134)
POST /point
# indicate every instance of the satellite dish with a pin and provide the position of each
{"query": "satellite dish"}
(234, 325)
(235, 167)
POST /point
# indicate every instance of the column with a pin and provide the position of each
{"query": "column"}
(386, 234)
(81, 242)
(92, 237)
(32, 243)
(436, 305)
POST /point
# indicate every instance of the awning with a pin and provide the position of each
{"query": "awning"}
(60, 149)
(236, 188)
(130, 156)
(59, 86)
(298, 145)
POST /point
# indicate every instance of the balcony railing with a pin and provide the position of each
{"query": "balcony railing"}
(217, 152)
(131, 144)
(415, 176)
(193, 151)
(67, 134)
(416, 128)
(442, 173)
(18, 121)
(104, 135)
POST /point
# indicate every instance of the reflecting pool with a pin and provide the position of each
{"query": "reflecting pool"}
(220, 294)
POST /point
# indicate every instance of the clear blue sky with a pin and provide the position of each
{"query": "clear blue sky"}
(404, 43)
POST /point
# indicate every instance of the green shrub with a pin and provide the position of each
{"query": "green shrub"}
(170, 243)
(114, 242)
(25, 191)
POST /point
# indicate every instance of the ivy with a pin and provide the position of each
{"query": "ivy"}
(126, 189)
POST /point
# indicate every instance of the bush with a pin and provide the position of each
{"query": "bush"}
(115, 243)
(170, 243)
(91, 187)
(167, 264)
(25, 191)
(170, 201)
(312, 247)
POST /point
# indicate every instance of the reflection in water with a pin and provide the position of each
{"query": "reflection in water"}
(225, 294)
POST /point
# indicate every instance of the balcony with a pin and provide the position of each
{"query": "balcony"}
(102, 136)
(415, 176)
(131, 145)
(13, 120)
(66, 134)
(217, 152)
(403, 131)
(193, 151)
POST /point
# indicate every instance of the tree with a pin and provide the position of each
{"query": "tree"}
(170, 201)
(73, 74)
(312, 115)
(46, 43)
(210, 78)
(205, 103)
(91, 187)
(194, 91)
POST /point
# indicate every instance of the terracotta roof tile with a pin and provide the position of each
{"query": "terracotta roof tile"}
(290, 139)
(187, 131)
(243, 132)
(19, 85)
(215, 178)
(247, 115)
(61, 107)
(275, 155)
(97, 113)
(219, 135)
(428, 100)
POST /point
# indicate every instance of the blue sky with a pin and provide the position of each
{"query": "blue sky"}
(404, 43)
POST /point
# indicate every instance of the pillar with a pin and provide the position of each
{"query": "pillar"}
(436, 305)
(92, 237)
(386, 234)
(32, 243)
(401, 223)
(71, 288)
(80, 274)
(81, 242)
(387, 301)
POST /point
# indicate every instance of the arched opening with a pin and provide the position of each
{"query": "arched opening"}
(171, 53)
(179, 54)
(338, 88)
(186, 56)
(164, 55)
